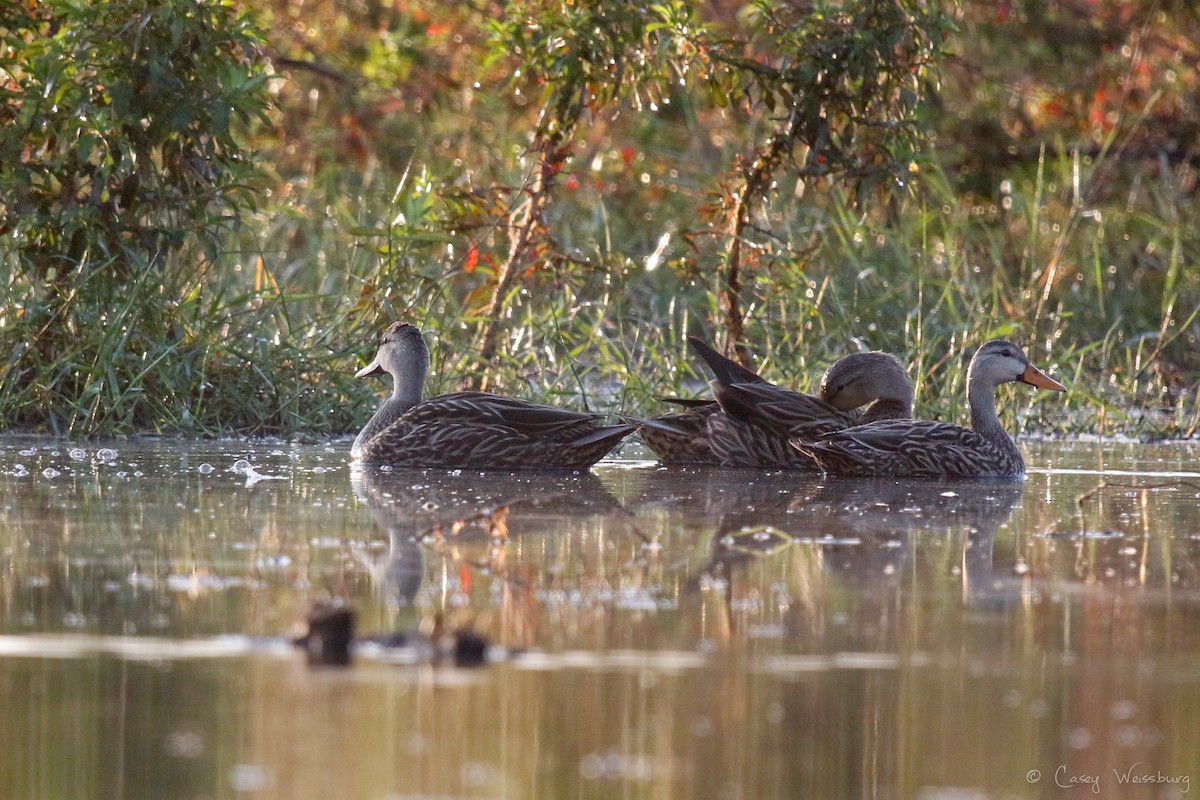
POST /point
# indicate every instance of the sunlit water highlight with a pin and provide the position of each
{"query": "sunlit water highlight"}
(657, 633)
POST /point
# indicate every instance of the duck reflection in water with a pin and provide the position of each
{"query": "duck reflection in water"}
(862, 532)
(466, 518)
(887, 512)
(414, 502)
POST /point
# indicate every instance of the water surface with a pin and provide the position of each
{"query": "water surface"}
(658, 632)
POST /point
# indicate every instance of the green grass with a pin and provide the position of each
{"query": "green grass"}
(1088, 261)
(266, 341)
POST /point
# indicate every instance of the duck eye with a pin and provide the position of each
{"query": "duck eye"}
(1006, 353)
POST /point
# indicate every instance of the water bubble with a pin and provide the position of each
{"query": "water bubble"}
(77, 453)
(248, 778)
(51, 472)
(253, 476)
(703, 726)
(106, 454)
(1079, 738)
(591, 767)
(1124, 710)
(185, 744)
(475, 773)
(205, 469)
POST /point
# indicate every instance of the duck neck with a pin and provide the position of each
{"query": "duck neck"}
(981, 398)
(984, 420)
(408, 385)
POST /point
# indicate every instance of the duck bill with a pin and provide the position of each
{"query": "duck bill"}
(1035, 377)
(374, 368)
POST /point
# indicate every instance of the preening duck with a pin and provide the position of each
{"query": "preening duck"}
(759, 420)
(751, 420)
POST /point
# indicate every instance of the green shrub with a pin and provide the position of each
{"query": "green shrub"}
(121, 173)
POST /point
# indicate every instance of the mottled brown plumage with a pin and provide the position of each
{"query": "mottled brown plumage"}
(751, 421)
(758, 420)
(924, 448)
(683, 436)
(475, 430)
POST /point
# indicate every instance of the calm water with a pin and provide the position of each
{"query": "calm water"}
(668, 633)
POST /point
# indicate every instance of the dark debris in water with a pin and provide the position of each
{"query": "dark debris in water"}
(330, 641)
(329, 636)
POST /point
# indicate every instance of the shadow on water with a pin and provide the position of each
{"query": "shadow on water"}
(669, 632)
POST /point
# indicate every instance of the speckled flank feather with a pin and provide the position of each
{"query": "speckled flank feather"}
(909, 448)
(689, 444)
(474, 430)
(914, 448)
(421, 440)
(742, 444)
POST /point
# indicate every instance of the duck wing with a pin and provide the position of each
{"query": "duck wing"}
(725, 370)
(479, 430)
(689, 403)
(484, 408)
(475, 445)
(911, 448)
(738, 443)
(681, 437)
(786, 412)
